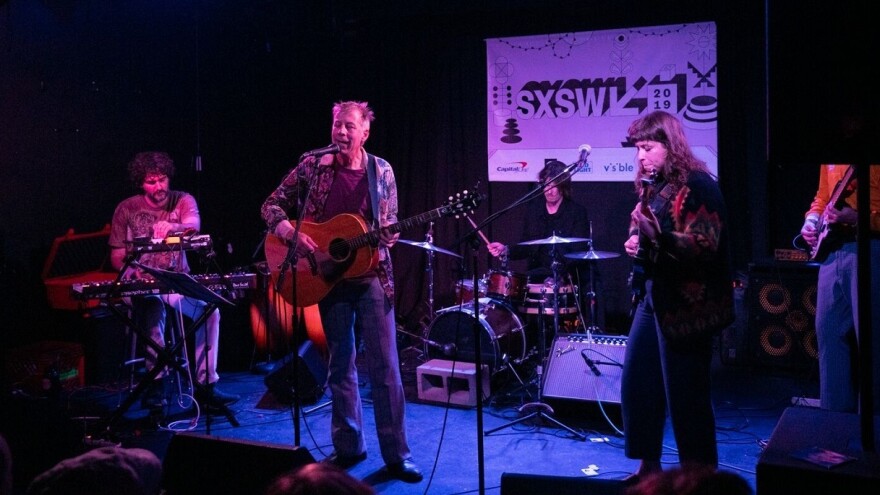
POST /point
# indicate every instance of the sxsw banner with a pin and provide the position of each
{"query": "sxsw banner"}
(550, 94)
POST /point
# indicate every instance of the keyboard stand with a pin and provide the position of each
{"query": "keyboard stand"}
(180, 283)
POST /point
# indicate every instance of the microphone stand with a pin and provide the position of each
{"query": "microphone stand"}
(290, 263)
(478, 364)
(471, 237)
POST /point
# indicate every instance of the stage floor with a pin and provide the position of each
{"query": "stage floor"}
(444, 440)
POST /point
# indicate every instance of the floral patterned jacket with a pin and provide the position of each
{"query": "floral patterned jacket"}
(290, 194)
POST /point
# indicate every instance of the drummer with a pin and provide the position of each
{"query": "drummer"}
(557, 215)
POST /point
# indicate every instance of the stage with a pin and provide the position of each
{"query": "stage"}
(749, 402)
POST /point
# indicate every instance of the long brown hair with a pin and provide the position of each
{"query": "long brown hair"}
(665, 128)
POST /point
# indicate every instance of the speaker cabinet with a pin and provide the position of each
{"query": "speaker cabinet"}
(530, 484)
(782, 468)
(569, 379)
(312, 371)
(782, 315)
(197, 463)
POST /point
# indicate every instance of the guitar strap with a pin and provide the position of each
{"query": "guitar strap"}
(661, 201)
(372, 186)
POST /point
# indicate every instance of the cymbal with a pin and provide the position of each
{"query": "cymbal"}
(427, 246)
(553, 239)
(592, 255)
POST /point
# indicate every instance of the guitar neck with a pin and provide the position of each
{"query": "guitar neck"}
(371, 238)
(837, 195)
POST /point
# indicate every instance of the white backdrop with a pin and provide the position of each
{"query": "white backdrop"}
(550, 94)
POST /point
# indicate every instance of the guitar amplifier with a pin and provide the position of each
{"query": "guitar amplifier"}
(569, 379)
(781, 315)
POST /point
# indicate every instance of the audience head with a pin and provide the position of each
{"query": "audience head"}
(103, 471)
(695, 480)
(318, 479)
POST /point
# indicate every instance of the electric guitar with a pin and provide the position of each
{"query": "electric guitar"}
(637, 276)
(828, 232)
(346, 249)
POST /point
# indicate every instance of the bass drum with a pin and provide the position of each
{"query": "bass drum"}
(502, 337)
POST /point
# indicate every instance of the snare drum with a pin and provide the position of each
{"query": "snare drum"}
(544, 294)
(507, 286)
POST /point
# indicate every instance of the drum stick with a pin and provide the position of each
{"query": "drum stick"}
(474, 225)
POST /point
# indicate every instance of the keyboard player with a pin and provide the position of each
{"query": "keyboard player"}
(153, 213)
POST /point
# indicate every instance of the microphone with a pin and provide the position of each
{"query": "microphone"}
(570, 170)
(326, 150)
(585, 150)
(446, 349)
(591, 364)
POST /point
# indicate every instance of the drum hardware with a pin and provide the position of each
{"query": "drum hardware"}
(427, 245)
(591, 256)
(539, 409)
(553, 240)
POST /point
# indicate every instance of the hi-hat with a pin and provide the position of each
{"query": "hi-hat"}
(427, 246)
(553, 239)
(592, 255)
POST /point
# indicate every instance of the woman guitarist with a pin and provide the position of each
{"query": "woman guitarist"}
(687, 298)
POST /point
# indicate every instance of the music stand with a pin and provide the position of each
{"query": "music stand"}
(183, 284)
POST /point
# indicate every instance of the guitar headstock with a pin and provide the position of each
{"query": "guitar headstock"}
(647, 182)
(462, 203)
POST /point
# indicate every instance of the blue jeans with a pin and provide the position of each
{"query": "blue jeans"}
(836, 324)
(360, 307)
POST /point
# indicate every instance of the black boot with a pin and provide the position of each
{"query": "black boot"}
(154, 396)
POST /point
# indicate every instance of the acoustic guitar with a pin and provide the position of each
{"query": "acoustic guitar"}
(346, 249)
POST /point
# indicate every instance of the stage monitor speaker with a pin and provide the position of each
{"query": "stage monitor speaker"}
(782, 315)
(820, 435)
(197, 463)
(530, 484)
(312, 371)
(569, 379)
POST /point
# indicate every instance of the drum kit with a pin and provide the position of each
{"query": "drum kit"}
(505, 299)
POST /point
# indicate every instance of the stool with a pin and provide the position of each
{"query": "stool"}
(439, 384)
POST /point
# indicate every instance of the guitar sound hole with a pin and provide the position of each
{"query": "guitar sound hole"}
(339, 249)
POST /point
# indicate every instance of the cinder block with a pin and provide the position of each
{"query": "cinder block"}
(449, 382)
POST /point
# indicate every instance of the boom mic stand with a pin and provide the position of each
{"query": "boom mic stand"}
(290, 263)
(542, 408)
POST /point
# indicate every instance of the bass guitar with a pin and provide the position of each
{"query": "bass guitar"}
(346, 249)
(638, 275)
(828, 232)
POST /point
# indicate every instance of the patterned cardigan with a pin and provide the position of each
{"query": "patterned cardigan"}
(692, 288)
(290, 194)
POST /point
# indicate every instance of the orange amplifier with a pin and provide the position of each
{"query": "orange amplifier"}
(76, 258)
